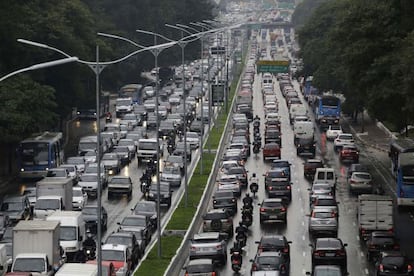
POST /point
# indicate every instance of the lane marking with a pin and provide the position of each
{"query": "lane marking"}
(366, 271)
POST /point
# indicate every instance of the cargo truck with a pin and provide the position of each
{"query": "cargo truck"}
(375, 213)
(36, 247)
(59, 188)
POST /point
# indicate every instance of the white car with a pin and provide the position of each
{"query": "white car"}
(343, 139)
(193, 138)
(79, 198)
(333, 132)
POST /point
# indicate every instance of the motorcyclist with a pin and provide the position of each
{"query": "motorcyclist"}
(247, 200)
(256, 118)
(89, 241)
(254, 182)
(236, 253)
(241, 229)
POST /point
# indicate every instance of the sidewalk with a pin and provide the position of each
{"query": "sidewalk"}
(370, 132)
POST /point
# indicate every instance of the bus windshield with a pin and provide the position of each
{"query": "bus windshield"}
(34, 153)
(408, 174)
(330, 102)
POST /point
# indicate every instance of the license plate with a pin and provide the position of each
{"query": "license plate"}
(273, 217)
(330, 255)
(206, 249)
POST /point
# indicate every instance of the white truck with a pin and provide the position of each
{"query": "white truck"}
(123, 106)
(147, 149)
(36, 247)
(303, 130)
(375, 213)
(3, 260)
(56, 187)
(72, 231)
(297, 110)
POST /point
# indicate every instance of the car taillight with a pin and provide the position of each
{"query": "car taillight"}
(186, 274)
(333, 214)
(213, 274)
(313, 214)
(229, 220)
(319, 253)
(282, 268)
(269, 188)
(283, 209)
(218, 246)
(391, 230)
(381, 267)
(288, 187)
(193, 248)
(254, 267)
(214, 201)
(262, 209)
(285, 250)
(260, 249)
(340, 253)
(409, 268)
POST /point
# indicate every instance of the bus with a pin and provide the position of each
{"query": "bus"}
(39, 153)
(327, 110)
(401, 154)
(309, 92)
(133, 91)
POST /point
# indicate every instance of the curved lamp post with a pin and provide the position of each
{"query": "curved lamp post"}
(97, 67)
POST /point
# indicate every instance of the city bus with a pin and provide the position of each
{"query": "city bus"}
(39, 153)
(133, 91)
(327, 110)
(402, 167)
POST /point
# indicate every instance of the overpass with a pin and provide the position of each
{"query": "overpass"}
(267, 25)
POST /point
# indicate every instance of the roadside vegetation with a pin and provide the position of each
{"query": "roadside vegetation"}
(363, 49)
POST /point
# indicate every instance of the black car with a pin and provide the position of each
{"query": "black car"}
(148, 209)
(329, 251)
(284, 164)
(180, 150)
(136, 223)
(310, 166)
(271, 261)
(225, 200)
(165, 194)
(380, 241)
(273, 136)
(90, 216)
(137, 248)
(393, 263)
(306, 146)
(277, 243)
(277, 184)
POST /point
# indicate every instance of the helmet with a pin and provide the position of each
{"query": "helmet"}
(241, 223)
(254, 175)
(89, 234)
(247, 195)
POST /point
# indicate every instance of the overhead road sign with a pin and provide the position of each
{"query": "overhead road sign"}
(272, 66)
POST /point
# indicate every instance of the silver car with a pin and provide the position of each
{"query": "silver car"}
(360, 181)
(172, 175)
(210, 245)
(323, 221)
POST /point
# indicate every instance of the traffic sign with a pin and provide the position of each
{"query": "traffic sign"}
(272, 66)
(218, 93)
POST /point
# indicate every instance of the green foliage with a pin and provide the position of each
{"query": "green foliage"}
(304, 10)
(363, 49)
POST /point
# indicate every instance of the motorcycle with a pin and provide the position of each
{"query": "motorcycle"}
(236, 261)
(241, 239)
(254, 187)
(108, 118)
(90, 253)
(247, 218)
(170, 149)
(256, 148)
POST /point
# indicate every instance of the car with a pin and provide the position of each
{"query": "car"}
(218, 220)
(271, 151)
(349, 153)
(90, 216)
(223, 199)
(241, 174)
(329, 251)
(271, 261)
(16, 207)
(79, 161)
(79, 198)
(306, 146)
(325, 201)
(310, 166)
(201, 267)
(196, 126)
(92, 168)
(356, 167)
(180, 150)
(380, 241)
(343, 139)
(124, 154)
(273, 209)
(277, 184)
(90, 156)
(234, 154)
(273, 135)
(193, 139)
(211, 245)
(73, 171)
(172, 175)
(4, 223)
(148, 209)
(177, 161)
(242, 147)
(323, 221)
(136, 248)
(136, 223)
(324, 270)
(165, 194)
(226, 165)
(333, 131)
(282, 164)
(119, 255)
(108, 268)
(120, 185)
(229, 183)
(111, 163)
(360, 182)
(89, 183)
(393, 263)
(319, 189)
(130, 144)
(274, 243)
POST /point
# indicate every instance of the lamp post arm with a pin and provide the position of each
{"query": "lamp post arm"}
(179, 28)
(156, 34)
(187, 27)
(122, 38)
(40, 66)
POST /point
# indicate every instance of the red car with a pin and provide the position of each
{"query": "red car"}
(349, 152)
(271, 151)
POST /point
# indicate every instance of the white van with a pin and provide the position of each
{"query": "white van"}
(72, 231)
(325, 175)
(77, 269)
(297, 110)
(303, 130)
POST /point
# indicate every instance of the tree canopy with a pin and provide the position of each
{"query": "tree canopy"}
(363, 49)
(72, 26)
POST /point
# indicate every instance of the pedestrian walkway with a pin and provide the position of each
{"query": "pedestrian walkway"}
(370, 132)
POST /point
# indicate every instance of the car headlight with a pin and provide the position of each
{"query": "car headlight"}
(151, 194)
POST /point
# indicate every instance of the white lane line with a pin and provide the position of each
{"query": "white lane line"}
(354, 223)
(362, 254)
(303, 237)
(303, 223)
(304, 253)
(357, 237)
(366, 271)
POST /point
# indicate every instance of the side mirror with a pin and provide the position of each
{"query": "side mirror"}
(80, 238)
(118, 223)
(345, 244)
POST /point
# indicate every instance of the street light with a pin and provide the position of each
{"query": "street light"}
(40, 66)
(97, 67)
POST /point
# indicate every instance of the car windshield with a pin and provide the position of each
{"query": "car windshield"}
(89, 210)
(75, 161)
(133, 222)
(397, 261)
(142, 206)
(47, 204)
(328, 244)
(269, 260)
(125, 240)
(29, 265)
(335, 127)
(147, 145)
(120, 180)
(67, 233)
(77, 193)
(200, 268)
(89, 178)
(113, 255)
(171, 170)
(322, 215)
(364, 176)
(271, 204)
(110, 157)
(11, 206)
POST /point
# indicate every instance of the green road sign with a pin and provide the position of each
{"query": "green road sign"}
(218, 93)
(272, 66)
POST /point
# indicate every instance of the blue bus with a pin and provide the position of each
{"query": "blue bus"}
(402, 167)
(39, 153)
(327, 110)
(131, 90)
